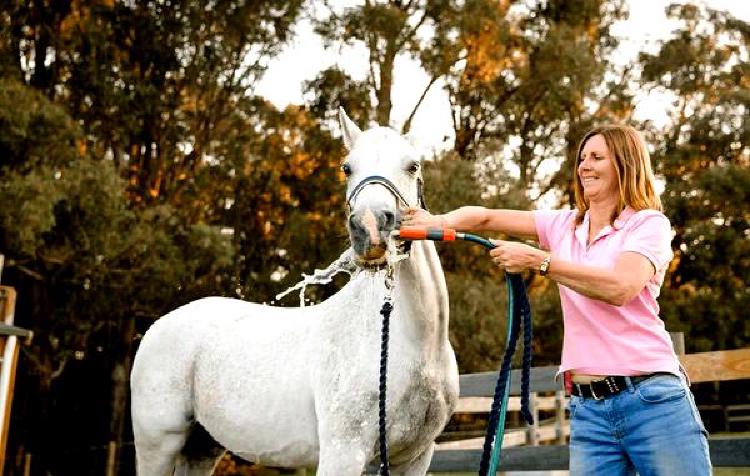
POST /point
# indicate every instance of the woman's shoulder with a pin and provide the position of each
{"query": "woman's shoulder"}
(645, 215)
(563, 215)
(644, 218)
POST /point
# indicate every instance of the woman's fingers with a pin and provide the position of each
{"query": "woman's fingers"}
(416, 217)
(504, 257)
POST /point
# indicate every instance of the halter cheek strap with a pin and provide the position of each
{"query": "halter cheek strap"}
(420, 194)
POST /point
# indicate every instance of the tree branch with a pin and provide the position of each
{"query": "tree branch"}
(407, 125)
(411, 32)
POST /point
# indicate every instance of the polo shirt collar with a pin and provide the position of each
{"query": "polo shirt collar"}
(623, 218)
(582, 230)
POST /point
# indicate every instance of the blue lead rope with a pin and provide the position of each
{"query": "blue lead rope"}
(519, 311)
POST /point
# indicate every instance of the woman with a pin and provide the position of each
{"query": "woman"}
(631, 408)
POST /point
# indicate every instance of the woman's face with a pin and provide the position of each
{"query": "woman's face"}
(596, 170)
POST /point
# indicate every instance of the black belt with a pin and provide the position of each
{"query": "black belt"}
(608, 386)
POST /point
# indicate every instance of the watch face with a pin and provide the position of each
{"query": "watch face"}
(544, 266)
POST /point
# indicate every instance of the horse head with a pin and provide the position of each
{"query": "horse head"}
(384, 175)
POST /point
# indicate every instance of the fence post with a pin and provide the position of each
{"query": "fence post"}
(532, 431)
(9, 351)
(678, 342)
(111, 454)
(27, 464)
(560, 417)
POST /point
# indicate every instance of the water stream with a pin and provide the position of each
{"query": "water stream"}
(343, 264)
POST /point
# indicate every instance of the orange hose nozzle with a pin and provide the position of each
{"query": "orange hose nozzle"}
(424, 233)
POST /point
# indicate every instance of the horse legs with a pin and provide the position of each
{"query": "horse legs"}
(199, 454)
(341, 458)
(157, 453)
(183, 451)
(416, 467)
(195, 467)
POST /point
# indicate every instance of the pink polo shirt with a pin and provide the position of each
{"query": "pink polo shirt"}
(600, 338)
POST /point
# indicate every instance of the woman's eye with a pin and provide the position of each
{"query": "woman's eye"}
(347, 169)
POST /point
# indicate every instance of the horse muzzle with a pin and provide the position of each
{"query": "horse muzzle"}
(369, 232)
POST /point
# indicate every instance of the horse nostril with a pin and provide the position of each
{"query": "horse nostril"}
(389, 219)
(353, 225)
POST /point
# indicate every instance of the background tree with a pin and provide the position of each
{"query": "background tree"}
(704, 158)
(142, 171)
(88, 268)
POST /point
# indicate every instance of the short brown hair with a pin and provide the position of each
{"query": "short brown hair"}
(633, 167)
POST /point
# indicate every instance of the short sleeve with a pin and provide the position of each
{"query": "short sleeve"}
(649, 233)
(551, 225)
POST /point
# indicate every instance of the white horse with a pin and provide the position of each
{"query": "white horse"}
(298, 387)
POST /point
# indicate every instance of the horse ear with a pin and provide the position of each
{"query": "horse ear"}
(349, 130)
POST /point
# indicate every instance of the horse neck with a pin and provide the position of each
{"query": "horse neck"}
(422, 293)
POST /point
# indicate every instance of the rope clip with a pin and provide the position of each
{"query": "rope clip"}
(396, 250)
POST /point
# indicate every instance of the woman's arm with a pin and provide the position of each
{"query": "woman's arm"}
(512, 222)
(614, 286)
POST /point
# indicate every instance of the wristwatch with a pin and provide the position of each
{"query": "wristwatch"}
(544, 267)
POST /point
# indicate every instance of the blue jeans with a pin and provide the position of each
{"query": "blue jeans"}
(653, 428)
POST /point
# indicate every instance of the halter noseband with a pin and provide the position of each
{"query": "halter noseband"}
(390, 186)
(405, 246)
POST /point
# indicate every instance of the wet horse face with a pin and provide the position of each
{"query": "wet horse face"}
(375, 208)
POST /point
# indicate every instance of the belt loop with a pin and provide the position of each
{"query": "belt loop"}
(629, 382)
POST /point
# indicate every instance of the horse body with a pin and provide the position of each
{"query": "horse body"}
(298, 387)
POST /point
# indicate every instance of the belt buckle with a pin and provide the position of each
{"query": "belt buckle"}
(593, 394)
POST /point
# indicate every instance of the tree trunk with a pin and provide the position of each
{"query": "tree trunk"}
(120, 394)
(383, 113)
(40, 79)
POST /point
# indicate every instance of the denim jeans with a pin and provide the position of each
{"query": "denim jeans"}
(652, 428)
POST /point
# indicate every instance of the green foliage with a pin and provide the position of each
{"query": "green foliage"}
(704, 158)
(138, 171)
(34, 132)
(81, 258)
(332, 89)
(24, 224)
(476, 287)
(478, 319)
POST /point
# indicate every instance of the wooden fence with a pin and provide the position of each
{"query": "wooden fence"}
(476, 396)
(9, 335)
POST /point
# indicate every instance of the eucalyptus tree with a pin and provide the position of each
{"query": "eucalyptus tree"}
(704, 158)
(141, 94)
(149, 80)
(528, 74)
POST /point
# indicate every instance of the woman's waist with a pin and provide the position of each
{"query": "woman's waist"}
(582, 378)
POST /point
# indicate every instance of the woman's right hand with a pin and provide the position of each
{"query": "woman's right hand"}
(419, 217)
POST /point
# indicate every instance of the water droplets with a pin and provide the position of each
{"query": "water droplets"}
(343, 264)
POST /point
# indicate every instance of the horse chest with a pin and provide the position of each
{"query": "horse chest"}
(421, 395)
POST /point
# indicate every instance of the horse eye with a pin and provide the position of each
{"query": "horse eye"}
(347, 169)
(413, 167)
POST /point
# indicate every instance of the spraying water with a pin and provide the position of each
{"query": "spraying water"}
(343, 264)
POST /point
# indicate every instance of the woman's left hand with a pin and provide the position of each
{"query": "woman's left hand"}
(515, 257)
